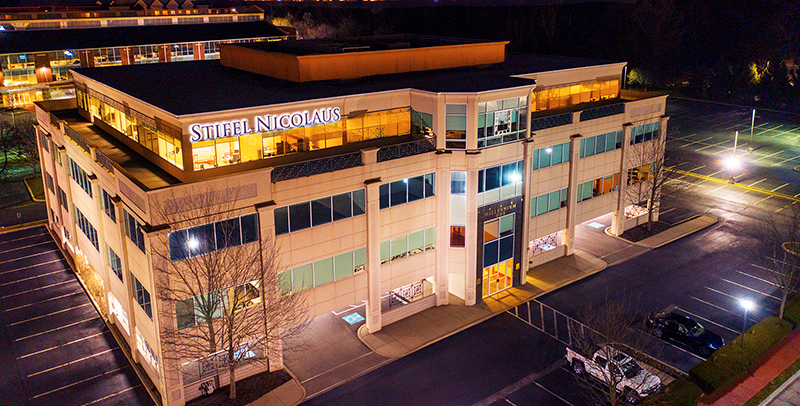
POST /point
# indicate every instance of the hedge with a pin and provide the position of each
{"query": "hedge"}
(730, 361)
(680, 392)
(792, 311)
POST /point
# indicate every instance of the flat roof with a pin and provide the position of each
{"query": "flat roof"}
(358, 44)
(28, 41)
(212, 87)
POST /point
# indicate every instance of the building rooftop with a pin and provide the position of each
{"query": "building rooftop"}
(213, 87)
(51, 40)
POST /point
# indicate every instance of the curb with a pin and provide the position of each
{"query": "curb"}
(30, 191)
(17, 227)
(781, 389)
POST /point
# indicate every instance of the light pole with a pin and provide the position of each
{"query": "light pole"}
(732, 163)
(746, 305)
(750, 143)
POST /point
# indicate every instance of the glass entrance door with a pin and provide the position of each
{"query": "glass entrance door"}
(497, 277)
(498, 254)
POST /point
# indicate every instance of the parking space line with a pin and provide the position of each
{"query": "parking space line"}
(712, 145)
(768, 156)
(23, 238)
(26, 246)
(29, 256)
(786, 160)
(40, 288)
(757, 278)
(49, 314)
(784, 132)
(55, 329)
(751, 289)
(79, 382)
(31, 266)
(551, 393)
(770, 129)
(72, 362)
(707, 320)
(33, 277)
(62, 345)
(696, 142)
(111, 395)
(43, 301)
(737, 298)
(757, 182)
(783, 185)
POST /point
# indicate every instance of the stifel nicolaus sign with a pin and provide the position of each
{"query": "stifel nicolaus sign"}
(265, 123)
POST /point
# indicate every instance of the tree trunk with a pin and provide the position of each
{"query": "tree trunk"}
(232, 374)
(212, 341)
(784, 296)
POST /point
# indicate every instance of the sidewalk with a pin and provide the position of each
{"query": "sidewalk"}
(434, 324)
(780, 359)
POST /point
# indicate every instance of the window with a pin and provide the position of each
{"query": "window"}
(458, 236)
(645, 132)
(601, 143)
(87, 228)
(206, 238)
(115, 263)
(407, 245)
(108, 206)
(552, 155)
(458, 183)
(43, 141)
(62, 199)
(80, 177)
(321, 272)
(318, 212)
(406, 190)
(546, 99)
(57, 153)
(549, 202)
(134, 231)
(205, 307)
(502, 121)
(597, 187)
(456, 126)
(142, 296)
(500, 182)
(640, 174)
(498, 240)
(49, 181)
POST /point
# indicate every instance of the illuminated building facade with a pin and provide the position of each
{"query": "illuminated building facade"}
(416, 168)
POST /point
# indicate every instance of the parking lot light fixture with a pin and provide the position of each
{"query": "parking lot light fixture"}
(747, 305)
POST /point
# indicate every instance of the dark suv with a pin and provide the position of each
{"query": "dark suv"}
(685, 331)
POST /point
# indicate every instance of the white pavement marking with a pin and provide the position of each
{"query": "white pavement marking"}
(551, 392)
(111, 395)
(75, 361)
(786, 160)
(751, 289)
(696, 142)
(712, 145)
(707, 320)
(61, 345)
(26, 246)
(720, 308)
(23, 238)
(31, 266)
(530, 379)
(55, 329)
(768, 156)
(43, 301)
(78, 383)
(28, 256)
(49, 314)
(40, 288)
(33, 277)
(349, 309)
(738, 298)
(770, 129)
(784, 132)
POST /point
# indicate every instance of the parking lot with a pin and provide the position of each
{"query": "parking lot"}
(57, 349)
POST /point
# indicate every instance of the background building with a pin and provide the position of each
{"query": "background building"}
(406, 167)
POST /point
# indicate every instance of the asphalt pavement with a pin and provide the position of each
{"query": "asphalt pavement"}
(57, 349)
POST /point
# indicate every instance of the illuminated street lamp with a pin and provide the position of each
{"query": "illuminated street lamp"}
(732, 163)
(747, 305)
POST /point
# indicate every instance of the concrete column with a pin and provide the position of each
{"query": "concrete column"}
(164, 53)
(126, 276)
(373, 308)
(199, 51)
(618, 217)
(97, 190)
(572, 203)
(442, 239)
(471, 232)
(526, 210)
(41, 63)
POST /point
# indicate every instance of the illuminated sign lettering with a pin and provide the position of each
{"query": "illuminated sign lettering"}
(265, 123)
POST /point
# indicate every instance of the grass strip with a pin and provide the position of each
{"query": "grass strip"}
(774, 385)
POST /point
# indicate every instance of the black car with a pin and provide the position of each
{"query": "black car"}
(685, 331)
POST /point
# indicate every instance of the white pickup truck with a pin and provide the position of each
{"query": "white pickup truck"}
(615, 368)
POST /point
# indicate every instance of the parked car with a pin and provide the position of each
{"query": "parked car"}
(613, 367)
(685, 331)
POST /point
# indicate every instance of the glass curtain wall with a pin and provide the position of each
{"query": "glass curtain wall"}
(559, 97)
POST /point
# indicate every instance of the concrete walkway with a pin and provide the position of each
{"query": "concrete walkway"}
(780, 358)
(429, 326)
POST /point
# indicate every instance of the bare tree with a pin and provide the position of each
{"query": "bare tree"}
(779, 234)
(220, 281)
(27, 149)
(608, 335)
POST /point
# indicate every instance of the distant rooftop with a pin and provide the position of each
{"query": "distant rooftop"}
(359, 44)
(212, 87)
(50, 40)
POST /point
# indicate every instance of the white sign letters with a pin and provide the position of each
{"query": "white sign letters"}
(267, 122)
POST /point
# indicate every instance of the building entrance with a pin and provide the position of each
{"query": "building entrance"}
(497, 277)
(498, 254)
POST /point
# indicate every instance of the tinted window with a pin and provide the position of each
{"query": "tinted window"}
(506, 248)
(416, 188)
(384, 192)
(299, 216)
(228, 233)
(321, 211)
(493, 178)
(201, 239)
(249, 228)
(177, 245)
(398, 190)
(342, 206)
(429, 185)
(281, 220)
(490, 253)
(359, 205)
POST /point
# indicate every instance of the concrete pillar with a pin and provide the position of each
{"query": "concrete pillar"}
(524, 239)
(199, 51)
(471, 232)
(41, 63)
(164, 53)
(618, 217)
(126, 276)
(442, 239)
(97, 190)
(373, 308)
(572, 202)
